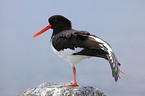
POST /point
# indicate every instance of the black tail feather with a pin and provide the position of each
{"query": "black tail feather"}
(114, 65)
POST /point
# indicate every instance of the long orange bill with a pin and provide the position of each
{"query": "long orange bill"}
(42, 30)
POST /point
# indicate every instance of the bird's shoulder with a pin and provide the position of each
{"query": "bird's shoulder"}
(73, 39)
(70, 34)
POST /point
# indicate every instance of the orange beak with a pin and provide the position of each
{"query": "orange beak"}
(42, 30)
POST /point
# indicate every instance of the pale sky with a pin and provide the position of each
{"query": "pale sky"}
(27, 62)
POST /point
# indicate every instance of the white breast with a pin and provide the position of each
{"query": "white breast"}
(66, 54)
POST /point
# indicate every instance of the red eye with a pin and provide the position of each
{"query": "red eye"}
(54, 20)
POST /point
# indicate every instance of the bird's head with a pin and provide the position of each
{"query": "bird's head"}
(56, 22)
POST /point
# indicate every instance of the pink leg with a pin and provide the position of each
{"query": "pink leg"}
(75, 82)
(121, 72)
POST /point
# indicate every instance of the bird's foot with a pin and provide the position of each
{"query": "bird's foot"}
(121, 72)
(73, 84)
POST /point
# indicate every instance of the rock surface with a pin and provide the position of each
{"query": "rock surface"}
(60, 89)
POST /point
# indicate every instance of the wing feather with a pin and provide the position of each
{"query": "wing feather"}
(114, 64)
(93, 46)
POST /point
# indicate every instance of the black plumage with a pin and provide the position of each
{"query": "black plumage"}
(81, 43)
(73, 39)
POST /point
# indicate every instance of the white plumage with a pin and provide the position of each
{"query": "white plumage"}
(66, 54)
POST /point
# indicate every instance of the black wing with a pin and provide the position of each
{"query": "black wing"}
(93, 46)
(73, 39)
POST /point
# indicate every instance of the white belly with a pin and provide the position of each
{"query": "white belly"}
(66, 54)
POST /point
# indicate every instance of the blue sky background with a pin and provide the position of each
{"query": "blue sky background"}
(26, 62)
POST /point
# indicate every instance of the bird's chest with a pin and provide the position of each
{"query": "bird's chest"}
(67, 54)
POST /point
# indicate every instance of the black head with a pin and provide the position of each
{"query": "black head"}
(59, 23)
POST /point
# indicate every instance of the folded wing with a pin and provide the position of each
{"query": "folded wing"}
(94, 46)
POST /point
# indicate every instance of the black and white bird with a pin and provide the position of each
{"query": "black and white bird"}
(74, 46)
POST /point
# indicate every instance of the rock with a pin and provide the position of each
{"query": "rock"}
(60, 89)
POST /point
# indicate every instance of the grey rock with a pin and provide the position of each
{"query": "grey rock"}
(60, 89)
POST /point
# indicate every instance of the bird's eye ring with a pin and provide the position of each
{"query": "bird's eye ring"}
(54, 20)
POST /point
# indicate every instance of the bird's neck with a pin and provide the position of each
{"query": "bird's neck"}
(58, 30)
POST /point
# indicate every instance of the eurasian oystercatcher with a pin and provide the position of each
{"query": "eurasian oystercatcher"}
(74, 46)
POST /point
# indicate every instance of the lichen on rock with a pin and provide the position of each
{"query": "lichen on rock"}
(60, 89)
